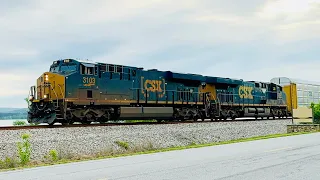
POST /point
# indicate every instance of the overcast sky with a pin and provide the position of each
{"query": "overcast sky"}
(251, 40)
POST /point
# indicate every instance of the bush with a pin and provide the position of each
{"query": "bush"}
(8, 163)
(19, 123)
(54, 155)
(24, 149)
(316, 112)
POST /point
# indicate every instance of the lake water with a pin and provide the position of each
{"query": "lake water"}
(10, 122)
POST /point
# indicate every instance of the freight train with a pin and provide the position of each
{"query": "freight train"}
(84, 91)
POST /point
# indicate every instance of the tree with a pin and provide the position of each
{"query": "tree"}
(27, 100)
(316, 112)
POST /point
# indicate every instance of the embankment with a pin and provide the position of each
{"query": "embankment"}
(86, 141)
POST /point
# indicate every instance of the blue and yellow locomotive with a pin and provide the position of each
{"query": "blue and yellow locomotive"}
(85, 91)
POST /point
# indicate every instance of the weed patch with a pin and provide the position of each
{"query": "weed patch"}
(19, 123)
(123, 144)
(54, 155)
(24, 149)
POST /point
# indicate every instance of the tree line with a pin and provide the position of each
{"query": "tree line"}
(4, 116)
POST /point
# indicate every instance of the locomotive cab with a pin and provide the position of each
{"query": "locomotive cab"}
(44, 98)
(51, 85)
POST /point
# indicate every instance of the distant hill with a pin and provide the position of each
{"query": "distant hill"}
(12, 110)
(4, 110)
(13, 113)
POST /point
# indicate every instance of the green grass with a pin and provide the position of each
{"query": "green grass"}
(135, 121)
(19, 123)
(123, 144)
(148, 149)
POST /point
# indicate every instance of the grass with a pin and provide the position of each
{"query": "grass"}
(126, 150)
(135, 121)
(23, 123)
(19, 123)
(123, 144)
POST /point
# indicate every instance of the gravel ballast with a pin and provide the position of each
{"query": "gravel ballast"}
(92, 140)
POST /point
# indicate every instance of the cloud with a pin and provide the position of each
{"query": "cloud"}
(16, 83)
(309, 69)
(289, 9)
(293, 20)
(253, 40)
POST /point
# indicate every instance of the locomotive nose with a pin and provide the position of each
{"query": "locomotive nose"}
(42, 86)
(50, 86)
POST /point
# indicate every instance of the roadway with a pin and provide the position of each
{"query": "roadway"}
(293, 158)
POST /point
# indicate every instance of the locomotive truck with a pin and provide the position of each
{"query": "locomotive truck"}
(85, 91)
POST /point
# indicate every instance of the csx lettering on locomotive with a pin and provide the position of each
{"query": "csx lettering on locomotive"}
(153, 85)
(245, 92)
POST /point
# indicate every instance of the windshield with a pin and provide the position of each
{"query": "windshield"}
(54, 69)
(68, 68)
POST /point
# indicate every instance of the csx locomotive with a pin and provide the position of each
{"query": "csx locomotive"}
(84, 91)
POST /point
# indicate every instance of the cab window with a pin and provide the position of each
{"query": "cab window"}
(54, 69)
(87, 69)
(68, 68)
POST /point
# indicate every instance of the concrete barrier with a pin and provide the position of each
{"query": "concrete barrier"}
(303, 128)
(302, 115)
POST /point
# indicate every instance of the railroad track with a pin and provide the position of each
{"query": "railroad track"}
(124, 124)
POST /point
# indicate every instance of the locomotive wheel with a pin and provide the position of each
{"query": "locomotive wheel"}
(86, 122)
(233, 115)
(104, 118)
(223, 117)
(65, 124)
(51, 124)
(195, 118)
(70, 118)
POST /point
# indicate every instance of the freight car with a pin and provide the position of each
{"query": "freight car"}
(84, 91)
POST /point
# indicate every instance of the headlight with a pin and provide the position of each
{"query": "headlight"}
(46, 77)
(30, 98)
(45, 96)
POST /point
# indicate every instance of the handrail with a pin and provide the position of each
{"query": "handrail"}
(176, 93)
(61, 91)
(219, 104)
(28, 98)
(63, 95)
(55, 94)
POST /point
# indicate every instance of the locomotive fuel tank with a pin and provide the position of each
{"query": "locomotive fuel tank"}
(257, 111)
(146, 112)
